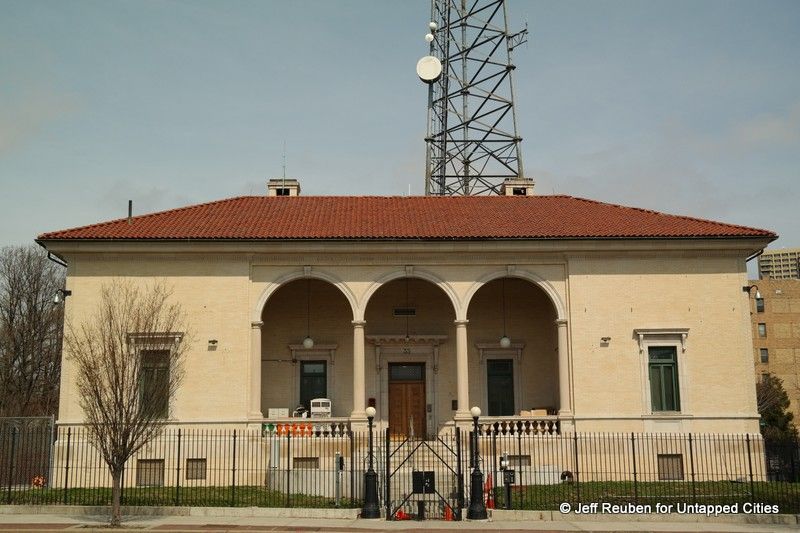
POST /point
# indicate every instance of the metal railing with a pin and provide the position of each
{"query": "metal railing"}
(295, 467)
(640, 469)
(323, 466)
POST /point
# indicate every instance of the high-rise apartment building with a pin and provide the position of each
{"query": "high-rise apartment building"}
(781, 263)
(775, 318)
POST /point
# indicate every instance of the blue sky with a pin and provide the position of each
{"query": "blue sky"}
(686, 107)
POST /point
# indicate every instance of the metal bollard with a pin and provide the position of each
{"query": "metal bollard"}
(338, 468)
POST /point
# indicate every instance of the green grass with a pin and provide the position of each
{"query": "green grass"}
(252, 496)
(548, 497)
(531, 497)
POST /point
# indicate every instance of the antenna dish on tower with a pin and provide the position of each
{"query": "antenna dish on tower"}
(429, 69)
(472, 142)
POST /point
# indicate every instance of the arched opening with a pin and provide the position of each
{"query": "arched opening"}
(513, 343)
(293, 371)
(410, 356)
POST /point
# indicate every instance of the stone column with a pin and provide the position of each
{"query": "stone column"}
(564, 397)
(254, 409)
(462, 371)
(359, 381)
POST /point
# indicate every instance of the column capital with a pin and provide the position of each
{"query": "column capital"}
(561, 322)
(256, 325)
(359, 323)
(461, 323)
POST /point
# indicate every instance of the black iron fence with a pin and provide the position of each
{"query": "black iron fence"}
(304, 465)
(291, 465)
(524, 471)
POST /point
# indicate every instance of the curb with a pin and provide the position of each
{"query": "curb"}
(233, 512)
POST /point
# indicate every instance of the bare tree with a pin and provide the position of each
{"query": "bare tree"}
(128, 362)
(30, 332)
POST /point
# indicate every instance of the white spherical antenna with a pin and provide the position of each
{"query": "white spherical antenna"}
(429, 69)
(428, 37)
(432, 26)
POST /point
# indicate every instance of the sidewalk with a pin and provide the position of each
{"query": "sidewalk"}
(59, 522)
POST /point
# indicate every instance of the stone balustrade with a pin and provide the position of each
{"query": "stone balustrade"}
(525, 425)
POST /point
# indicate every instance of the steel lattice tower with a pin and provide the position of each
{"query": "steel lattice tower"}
(472, 140)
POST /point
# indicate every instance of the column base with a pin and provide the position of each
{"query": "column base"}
(463, 420)
(255, 415)
(358, 421)
(566, 422)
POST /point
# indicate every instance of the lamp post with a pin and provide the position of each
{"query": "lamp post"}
(371, 508)
(477, 509)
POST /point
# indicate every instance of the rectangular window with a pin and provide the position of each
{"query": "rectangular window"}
(195, 468)
(150, 473)
(155, 382)
(517, 461)
(670, 467)
(305, 462)
(762, 329)
(500, 386)
(663, 366)
(409, 372)
(764, 355)
(313, 382)
(759, 305)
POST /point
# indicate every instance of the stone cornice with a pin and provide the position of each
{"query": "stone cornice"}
(267, 251)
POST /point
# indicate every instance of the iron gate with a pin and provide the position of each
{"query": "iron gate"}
(424, 478)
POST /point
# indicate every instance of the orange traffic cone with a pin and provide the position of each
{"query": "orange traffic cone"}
(489, 489)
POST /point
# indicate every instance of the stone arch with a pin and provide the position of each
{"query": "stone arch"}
(272, 286)
(546, 286)
(411, 273)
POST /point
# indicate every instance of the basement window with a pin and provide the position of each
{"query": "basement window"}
(670, 467)
(150, 473)
(517, 461)
(195, 469)
(306, 462)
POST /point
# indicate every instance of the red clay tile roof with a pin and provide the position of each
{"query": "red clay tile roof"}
(403, 218)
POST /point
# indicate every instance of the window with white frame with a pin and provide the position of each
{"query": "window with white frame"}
(155, 354)
(662, 351)
(663, 372)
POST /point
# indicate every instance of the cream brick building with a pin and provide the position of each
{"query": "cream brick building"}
(616, 319)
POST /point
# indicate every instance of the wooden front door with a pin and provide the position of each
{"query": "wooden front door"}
(407, 399)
